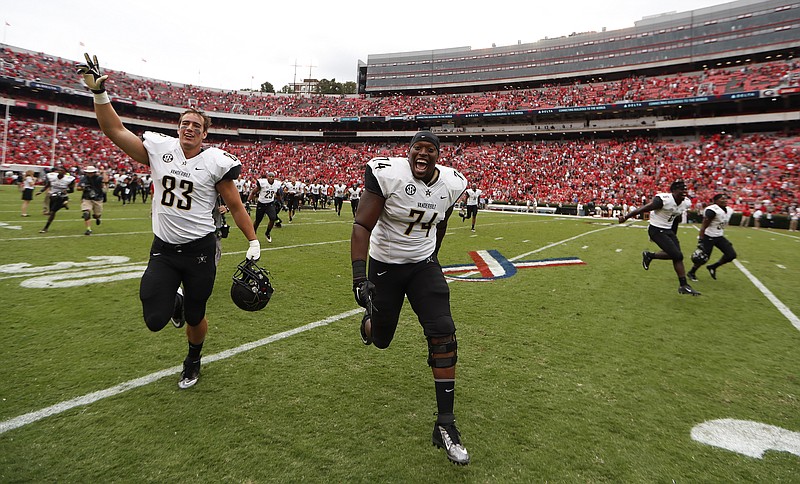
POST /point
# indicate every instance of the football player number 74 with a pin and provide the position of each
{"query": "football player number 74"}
(426, 226)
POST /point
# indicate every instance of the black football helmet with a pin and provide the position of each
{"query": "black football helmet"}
(251, 289)
(699, 255)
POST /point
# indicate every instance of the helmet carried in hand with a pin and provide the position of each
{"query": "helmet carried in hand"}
(251, 289)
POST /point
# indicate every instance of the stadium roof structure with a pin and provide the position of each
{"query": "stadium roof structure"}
(666, 42)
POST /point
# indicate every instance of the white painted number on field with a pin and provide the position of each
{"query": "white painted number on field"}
(747, 437)
(98, 269)
(4, 225)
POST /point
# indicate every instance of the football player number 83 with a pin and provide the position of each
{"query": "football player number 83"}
(168, 197)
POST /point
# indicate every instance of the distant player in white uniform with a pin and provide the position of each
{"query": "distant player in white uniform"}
(712, 234)
(354, 193)
(472, 197)
(187, 178)
(294, 191)
(313, 190)
(266, 189)
(400, 223)
(666, 209)
(339, 191)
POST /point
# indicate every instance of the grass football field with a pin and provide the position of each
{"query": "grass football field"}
(594, 372)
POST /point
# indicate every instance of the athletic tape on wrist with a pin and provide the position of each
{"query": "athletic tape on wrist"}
(102, 98)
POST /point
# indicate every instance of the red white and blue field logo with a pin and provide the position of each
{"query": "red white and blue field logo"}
(490, 265)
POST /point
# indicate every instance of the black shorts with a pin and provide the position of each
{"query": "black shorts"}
(267, 209)
(57, 202)
(292, 201)
(666, 240)
(723, 244)
(427, 291)
(472, 211)
(170, 265)
(27, 194)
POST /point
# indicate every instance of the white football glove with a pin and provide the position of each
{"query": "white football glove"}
(254, 252)
(91, 74)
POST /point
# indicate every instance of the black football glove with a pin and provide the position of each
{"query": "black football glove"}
(364, 291)
(90, 71)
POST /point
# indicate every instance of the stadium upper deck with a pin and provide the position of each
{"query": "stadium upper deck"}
(666, 43)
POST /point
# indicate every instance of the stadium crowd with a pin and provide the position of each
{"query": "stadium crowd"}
(757, 169)
(60, 72)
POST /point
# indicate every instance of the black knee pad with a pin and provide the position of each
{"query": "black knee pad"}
(450, 346)
(85, 215)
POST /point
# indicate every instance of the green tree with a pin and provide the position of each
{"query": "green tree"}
(287, 89)
(329, 87)
(349, 87)
(266, 86)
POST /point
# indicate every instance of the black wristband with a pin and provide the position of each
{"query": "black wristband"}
(359, 270)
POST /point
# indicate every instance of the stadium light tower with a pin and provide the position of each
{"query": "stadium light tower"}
(294, 80)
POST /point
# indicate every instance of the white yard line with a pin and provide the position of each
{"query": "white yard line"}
(31, 417)
(787, 313)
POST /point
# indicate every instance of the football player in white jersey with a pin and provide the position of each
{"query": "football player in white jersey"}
(59, 186)
(267, 192)
(666, 209)
(294, 191)
(355, 195)
(400, 223)
(339, 190)
(712, 234)
(472, 196)
(187, 178)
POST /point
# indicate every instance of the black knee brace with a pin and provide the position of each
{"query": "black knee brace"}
(85, 215)
(450, 346)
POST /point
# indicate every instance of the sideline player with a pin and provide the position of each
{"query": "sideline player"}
(666, 209)
(400, 223)
(712, 234)
(187, 179)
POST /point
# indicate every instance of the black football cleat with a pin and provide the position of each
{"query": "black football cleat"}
(692, 276)
(687, 289)
(365, 338)
(178, 316)
(190, 373)
(647, 258)
(713, 272)
(447, 437)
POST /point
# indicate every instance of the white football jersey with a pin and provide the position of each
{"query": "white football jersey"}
(339, 190)
(267, 190)
(664, 217)
(60, 186)
(355, 193)
(184, 190)
(721, 218)
(473, 196)
(406, 229)
(295, 188)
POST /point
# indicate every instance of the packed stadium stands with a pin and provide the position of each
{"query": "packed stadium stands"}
(723, 121)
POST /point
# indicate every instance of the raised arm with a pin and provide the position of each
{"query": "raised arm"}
(107, 117)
